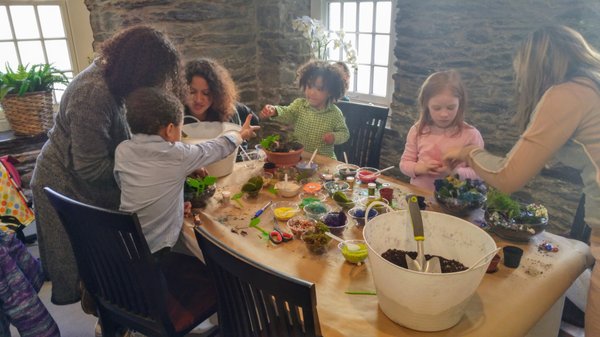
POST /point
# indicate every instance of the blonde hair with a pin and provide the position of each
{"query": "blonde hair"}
(435, 84)
(549, 56)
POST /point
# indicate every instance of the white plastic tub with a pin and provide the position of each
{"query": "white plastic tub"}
(426, 301)
(203, 131)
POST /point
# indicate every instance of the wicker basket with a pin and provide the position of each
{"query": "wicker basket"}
(30, 114)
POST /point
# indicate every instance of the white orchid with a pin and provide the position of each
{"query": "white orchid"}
(320, 39)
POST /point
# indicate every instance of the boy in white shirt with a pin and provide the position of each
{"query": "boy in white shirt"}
(151, 167)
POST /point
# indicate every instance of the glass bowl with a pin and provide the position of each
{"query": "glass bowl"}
(344, 199)
(512, 230)
(315, 210)
(366, 201)
(358, 214)
(336, 221)
(346, 170)
(298, 225)
(306, 171)
(367, 174)
(285, 210)
(334, 186)
(287, 189)
(318, 247)
(354, 256)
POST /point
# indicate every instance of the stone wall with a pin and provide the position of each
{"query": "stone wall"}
(478, 38)
(252, 38)
(255, 41)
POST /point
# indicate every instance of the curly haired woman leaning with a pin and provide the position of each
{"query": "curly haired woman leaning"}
(78, 158)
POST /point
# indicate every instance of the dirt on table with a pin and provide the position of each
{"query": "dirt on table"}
(398, 257)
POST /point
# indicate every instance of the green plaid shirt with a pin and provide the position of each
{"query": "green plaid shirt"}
(311, 124)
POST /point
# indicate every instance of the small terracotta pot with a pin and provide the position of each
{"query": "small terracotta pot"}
(284, 159)
(493, 267)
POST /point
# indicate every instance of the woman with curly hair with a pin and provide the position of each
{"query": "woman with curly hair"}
(78, 158)
(213, 96)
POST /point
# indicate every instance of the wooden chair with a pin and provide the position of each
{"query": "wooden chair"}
(367, 125)
(133, 289)
(255, 300)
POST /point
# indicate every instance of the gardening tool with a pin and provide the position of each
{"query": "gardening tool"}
(312, 157)
(420, 263)
(278, 235)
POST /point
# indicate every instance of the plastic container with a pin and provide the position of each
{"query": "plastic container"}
(333, 186)
(354, 256)
(200, 132)
(287, 189)
(298, 225)
(512, 256)
(316, 210)
(285, 210)
(306, 171)
(426, 301)
(346, 170)
(336, 222)
(358, 214)
(367, 174)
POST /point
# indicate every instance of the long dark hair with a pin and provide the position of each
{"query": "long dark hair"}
(140, 56)
(551, 55)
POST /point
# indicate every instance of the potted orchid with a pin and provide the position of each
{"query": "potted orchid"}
(322, 41)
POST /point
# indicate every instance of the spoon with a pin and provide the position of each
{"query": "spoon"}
(312, 157)
(351, 246)
(386, 169)
(476, 264)
(345, 158)
(285, 178)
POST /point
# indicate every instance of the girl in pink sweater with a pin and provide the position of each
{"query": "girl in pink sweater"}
(441, 126)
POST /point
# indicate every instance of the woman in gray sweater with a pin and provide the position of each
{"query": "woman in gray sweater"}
(78, 158)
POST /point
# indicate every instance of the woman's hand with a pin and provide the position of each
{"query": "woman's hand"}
(268, 111)
(248, 131)
(453, 157)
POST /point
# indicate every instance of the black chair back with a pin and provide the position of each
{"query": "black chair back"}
(255, 300)
(367, 125)
(122, 276)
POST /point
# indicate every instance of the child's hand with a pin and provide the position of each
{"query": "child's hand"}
(328, 138)
(187, 208)
(200, 173)
(268, 111)
(247, 130)
(429, 167)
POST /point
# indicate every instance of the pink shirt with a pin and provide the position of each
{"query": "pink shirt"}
(431, 146)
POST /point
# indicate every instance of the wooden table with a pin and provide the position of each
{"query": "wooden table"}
(509, 302)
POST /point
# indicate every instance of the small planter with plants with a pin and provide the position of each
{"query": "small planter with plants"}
(198, 190)
(282, 152)
(512, 220)
(26, 97)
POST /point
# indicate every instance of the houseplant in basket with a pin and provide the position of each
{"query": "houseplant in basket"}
(198, 190)
(26, 97)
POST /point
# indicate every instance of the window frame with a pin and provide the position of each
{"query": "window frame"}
(319, 11)
(62, 5)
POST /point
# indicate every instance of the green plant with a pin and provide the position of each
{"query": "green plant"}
(199, 185)
(268, 141)
(502, 203)
(40, 77)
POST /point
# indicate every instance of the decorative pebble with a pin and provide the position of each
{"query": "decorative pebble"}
(548, 247)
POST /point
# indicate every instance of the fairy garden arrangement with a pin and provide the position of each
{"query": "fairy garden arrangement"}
(513, 220)
(279, 144)
(460, 197)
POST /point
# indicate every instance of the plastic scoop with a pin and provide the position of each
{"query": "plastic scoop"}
(386, 169)
(420, 263)
(345, 157)
(351, 246)
(312, 157)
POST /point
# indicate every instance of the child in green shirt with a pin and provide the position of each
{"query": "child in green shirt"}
(318, 123)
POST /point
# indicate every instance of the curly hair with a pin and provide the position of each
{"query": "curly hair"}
(149, 109)
(331, 75)
(435, 84)
(140, 56)
(222, 88)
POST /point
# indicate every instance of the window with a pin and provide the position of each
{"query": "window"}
(368, 25)
(33, 32)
